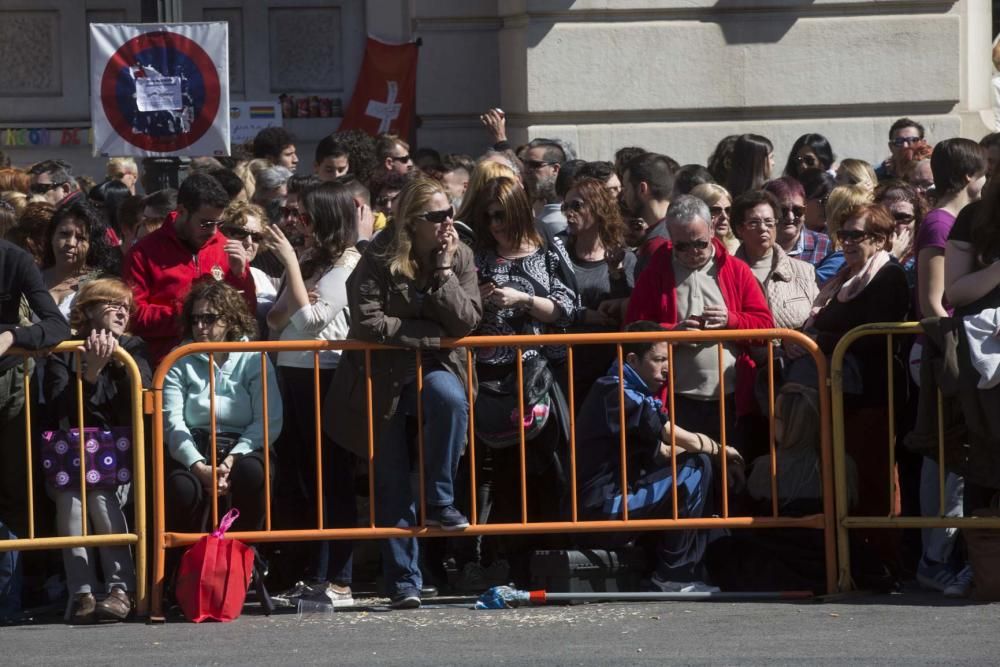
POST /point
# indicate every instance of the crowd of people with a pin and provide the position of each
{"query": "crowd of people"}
(387, 244)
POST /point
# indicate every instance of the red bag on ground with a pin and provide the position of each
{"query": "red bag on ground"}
(214, 576)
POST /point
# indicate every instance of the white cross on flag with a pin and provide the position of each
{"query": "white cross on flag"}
(385, 95)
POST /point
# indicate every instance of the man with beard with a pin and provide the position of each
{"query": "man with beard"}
(647, 184)
(543, 159)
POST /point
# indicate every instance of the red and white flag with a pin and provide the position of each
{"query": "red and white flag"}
(385, 95)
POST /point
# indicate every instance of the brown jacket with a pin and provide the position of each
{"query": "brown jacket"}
(790, 289)
(385, 308)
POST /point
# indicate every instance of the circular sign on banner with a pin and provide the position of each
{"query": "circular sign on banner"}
(164, 56)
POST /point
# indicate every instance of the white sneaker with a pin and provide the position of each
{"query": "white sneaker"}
(962, 586)
(684, 586)
(339, 596)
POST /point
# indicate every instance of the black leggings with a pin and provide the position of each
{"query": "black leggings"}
(188, 505)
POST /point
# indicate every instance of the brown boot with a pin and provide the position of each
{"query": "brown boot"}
(84, 606)
(115, 607)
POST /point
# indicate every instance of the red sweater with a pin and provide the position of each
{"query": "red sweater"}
(160, 269)
(655, 298)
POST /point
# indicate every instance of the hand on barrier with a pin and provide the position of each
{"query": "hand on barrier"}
(98, 349)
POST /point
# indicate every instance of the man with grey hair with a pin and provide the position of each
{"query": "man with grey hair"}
(271, 184)
(693, 283)
(542, 160)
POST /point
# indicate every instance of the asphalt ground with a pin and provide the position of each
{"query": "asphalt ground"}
(912, 628)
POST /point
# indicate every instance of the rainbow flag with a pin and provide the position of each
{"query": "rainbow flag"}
(262, 112)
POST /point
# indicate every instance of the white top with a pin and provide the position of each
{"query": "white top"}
(327, 319)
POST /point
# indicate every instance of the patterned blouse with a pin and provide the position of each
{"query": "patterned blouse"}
(546, 273)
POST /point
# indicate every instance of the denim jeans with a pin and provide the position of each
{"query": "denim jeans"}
(446, 420)
(10, 577)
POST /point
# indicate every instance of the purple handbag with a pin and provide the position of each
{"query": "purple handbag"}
(107, 452)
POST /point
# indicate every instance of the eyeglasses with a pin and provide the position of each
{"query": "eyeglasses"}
(403, 159)
(205, 319)
(899, 142)
(43, 188)
(684, 246)
(853, 235)
(239, 233)
(716, 211)
(576, 206)
(535, 165)
(496, 216)
(115, 305)
(758, 223)
(209, 224)
(438, 216)
(795, 211)
(903, 218)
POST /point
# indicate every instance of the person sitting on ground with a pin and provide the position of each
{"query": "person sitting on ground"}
(99, 317)
(650, 435)
(214, 312)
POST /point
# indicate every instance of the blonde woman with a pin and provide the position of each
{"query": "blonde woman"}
(123, 169)
(720, 206)
(415, 285)
(857, 172)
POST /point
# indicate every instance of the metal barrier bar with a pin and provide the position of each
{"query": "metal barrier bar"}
(621, 431)
(267, 448)
(138, 535)
(825, 521)
(673, 422)
(723, 455)
(892, 425)
(318, 425)
(469, 374)
(212, 431)
(421, 473)
(82, 445)
(770, 423)
(572, 436)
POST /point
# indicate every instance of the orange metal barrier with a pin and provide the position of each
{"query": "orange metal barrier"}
(164, 539)
(847, 521)
(138, 535)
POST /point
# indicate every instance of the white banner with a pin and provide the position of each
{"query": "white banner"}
(246, 119)
(159, 89)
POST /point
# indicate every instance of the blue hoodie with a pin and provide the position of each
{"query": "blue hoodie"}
(238, 404)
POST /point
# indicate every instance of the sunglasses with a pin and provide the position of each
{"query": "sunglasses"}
(535, 165)
(402, 158)
(210, 224)
(796, 211)
(115, 305)
(576, 206)
(899, 142)
(716, 211)
(239, 233)
(853, 235)
(438, 216)
(42, 188)
(205, 319)
(684, 246)
(903, 218)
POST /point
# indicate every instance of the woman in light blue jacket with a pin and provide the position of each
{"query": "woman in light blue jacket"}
(215, 312)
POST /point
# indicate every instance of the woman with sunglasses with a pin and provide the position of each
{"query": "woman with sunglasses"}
(414, 286)
(214, 312)
(244, 222)
(908, 209)
(720, 206)
(99, 317)
(810, 151)
(312, 305)
(870, 287)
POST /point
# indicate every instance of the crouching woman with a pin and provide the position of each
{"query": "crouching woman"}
(648, 437)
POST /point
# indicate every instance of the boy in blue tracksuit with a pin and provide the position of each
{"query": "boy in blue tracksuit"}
(649, 475)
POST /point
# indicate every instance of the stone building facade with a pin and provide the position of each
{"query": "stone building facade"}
(669, 75)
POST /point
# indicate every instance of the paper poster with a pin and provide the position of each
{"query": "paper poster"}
(160, 89)
(246, 119)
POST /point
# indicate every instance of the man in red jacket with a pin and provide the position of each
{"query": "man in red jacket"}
(162, 266)
(692, 283)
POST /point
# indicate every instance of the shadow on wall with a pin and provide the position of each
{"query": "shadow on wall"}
(758, 25)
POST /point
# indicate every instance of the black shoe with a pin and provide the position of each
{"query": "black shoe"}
(406, 600)
(446, 518)
(428, 591)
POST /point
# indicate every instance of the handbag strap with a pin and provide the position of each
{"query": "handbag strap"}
(226, 522)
